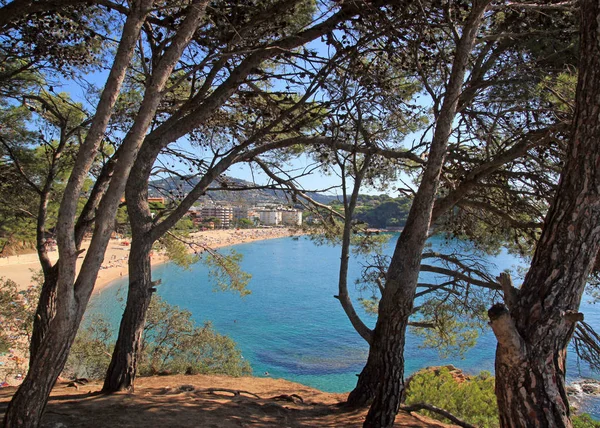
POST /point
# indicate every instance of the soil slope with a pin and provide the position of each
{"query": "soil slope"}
(203, 401)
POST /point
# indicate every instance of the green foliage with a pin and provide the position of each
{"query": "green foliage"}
(122, 220)
(176, 250)
(473, 400)
(226, 273)
(392, 213)
(156, 206)
(451, 333)
(184, 225)
(17, 309)
(173, 344)
(245, 223)
(91, 352)
(584, 421)
(215, 220)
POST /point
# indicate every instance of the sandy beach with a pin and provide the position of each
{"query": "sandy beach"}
(21, 268)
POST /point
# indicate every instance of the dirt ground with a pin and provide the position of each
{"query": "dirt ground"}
(203, 401)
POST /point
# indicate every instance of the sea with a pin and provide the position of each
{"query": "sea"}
(291, 326)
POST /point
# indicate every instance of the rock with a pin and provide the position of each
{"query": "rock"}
(573, 390)
(584, 387)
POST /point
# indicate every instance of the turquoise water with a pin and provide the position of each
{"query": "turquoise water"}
(291, 326)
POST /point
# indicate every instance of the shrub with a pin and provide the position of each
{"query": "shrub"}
(172, 344)
(472, 400)
(585, 421)
(91, 351)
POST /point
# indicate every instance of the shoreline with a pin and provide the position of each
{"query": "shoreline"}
(21, 268)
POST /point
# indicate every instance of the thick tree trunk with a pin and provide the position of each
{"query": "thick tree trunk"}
(533, 336)
(388, 347)
(73, 292)
(386, 361)
(123, 365)
(533, 395)
(368, 381)
(28, 403)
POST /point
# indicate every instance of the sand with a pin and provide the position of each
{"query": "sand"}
(21, 268)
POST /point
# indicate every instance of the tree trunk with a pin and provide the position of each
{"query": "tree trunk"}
(386, 361)
(74, 291)
(123, 365)
(388, 348)
(368, 381)
(539, 385)
(28, 403)
(533, 336)
(384, 372)
(45, 311)
(46, 307)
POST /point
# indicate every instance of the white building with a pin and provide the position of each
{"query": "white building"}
(291, 218)
(270, 217)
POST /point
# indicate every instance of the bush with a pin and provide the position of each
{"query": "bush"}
(473, 400)
(585, 421)
(91, 351)
(173, 344)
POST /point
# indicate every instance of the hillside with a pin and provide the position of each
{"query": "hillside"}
(204, 401)
(176, 186)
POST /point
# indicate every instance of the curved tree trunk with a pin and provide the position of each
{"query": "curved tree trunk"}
(74, 291)
(533, 336)
(123, 365)
(382, 379)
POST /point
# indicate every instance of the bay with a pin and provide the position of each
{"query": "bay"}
(292, 327)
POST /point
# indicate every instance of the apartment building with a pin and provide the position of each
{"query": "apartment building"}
(222, 213)
(291, 217)
(270, 217)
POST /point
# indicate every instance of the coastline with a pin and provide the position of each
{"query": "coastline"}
(21, 268)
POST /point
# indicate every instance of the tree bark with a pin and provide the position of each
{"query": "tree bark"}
(28, 403)
(45, 312)
(124, 362)
(384, 372)
(533, 336)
